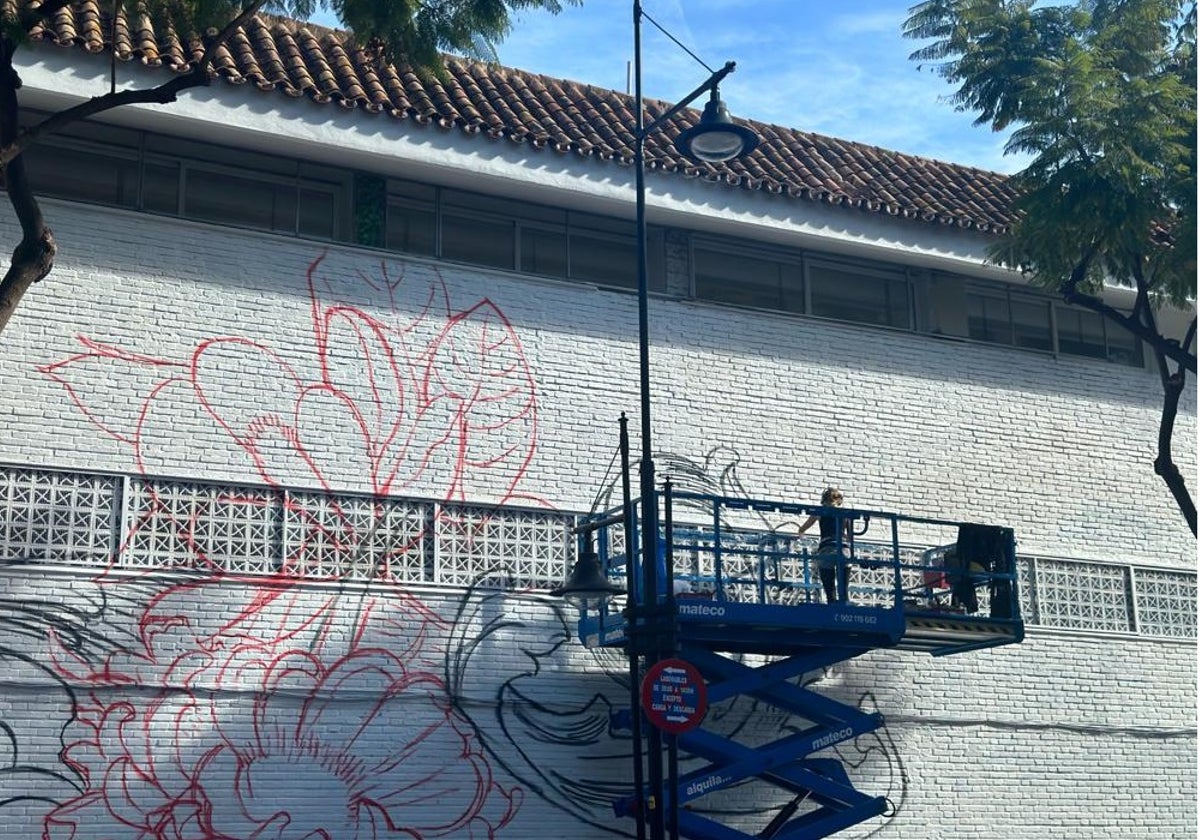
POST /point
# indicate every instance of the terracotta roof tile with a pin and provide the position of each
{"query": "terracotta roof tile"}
(300, 59)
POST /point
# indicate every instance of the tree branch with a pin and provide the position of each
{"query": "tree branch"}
(1190, 335)
(197, 76)
(34, 255)
(30, 16)
(1164, 464)
(1158, 343)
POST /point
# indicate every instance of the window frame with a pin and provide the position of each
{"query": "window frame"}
(886, 274)
(793, 260)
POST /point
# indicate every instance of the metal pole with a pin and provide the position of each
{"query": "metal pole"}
(649, 518)
(632, 633)
(670, 644)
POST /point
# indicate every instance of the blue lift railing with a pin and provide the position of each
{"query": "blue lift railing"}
(736, 578)
(730, 554)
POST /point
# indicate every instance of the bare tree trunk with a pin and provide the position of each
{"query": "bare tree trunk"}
(1143, 324)
(33, 257)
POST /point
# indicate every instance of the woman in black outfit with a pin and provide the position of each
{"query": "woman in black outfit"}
(831, 552)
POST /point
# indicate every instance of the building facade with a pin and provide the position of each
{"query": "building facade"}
(294, 431)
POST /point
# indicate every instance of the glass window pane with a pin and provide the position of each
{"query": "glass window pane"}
(942, 305)
(411, 228)
(318, 214)
(988, 318)
(544, 251)
(479, 241)
(1123, 347)
(160, 187)
(82, 174)
(735, 278)
(284, 216)
(503, 207)
(863, 297)
(206, 152)
(422, 193)
(899, 312)
(586, 222)
(609, 261)
(243, 201)
(1031, 325)
(1080, 333)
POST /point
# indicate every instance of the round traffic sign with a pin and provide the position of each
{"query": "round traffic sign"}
(674, 695)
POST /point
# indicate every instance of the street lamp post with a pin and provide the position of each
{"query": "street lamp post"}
(715, 139)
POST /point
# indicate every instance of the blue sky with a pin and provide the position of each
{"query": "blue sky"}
(834, 67)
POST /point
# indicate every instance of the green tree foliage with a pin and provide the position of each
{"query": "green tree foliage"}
(413, 32)
(1102, 95)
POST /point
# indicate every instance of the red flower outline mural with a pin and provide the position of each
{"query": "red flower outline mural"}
(288, 712)
(426, 400)
(264, 728)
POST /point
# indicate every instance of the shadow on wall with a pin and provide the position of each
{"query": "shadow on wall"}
(233, 708)
(787, 342)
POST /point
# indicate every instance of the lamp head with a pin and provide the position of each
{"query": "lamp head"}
(716, 138)
(587, 581)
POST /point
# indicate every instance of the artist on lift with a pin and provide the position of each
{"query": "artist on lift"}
(831, 552)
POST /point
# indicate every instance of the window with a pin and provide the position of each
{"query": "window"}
(988, 318)
(476, 239)
(485, 230)
(941, 303)
(1082, 332)
(608, 261)
(544, 251)
(85, 162)
(155, 173)
(604, 251)
(1031, 323)
(411, 224)
(732, 277)
(513, 235)
(75, 172)
(317, 213)
(999, 315)
(160, 186)
(866, 296)
(1124, 348)
(215, 196)
(138, 170)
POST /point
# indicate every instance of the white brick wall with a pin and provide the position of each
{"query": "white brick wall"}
(1057, 738)
(1062, 736)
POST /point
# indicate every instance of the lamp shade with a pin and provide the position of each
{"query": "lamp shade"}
(586, 581)
(716, 138)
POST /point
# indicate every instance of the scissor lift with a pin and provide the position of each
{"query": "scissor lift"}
(735, 579)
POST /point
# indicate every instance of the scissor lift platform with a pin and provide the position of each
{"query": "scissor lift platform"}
(734, 581)
(787, 630)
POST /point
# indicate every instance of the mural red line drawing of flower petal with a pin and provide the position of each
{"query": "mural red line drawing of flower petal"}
(264, 391)
(358, 361)
(194, 757)
(397, 390)
(88, 377)
(479, 361)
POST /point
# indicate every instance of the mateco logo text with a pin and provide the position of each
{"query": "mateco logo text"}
(701, 609)
(832, 738)
(704, 785)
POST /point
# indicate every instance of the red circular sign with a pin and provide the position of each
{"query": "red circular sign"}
(674, 695)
